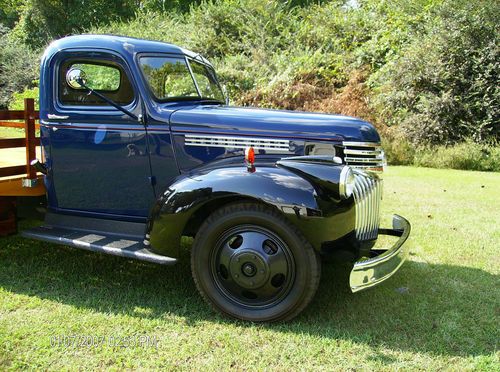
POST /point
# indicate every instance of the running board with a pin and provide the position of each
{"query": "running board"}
(96, 241)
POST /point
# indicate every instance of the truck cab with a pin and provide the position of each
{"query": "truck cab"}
(141, 148)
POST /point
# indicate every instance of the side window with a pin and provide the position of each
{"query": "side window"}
(105, 77)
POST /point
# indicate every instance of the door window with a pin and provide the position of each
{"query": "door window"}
(105, 77)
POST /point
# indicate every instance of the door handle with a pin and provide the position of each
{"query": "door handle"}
(57, 117)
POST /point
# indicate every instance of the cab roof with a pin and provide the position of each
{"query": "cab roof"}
(120, 44)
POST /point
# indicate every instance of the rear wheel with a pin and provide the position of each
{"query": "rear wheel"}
(250, 263)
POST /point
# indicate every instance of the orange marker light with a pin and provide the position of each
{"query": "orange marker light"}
(250, 155)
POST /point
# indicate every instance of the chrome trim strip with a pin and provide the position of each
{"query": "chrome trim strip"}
(362, 152)
(344, 173)
(57, 117)
(375, 159)
(237, 142)
(371, 166)
(371, 155)
(361, 144)
(367, 198)
(370, 272)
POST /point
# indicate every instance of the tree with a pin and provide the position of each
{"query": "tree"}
(18, 68)
(10, 12)
(44, 20)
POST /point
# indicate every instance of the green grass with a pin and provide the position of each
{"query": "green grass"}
(441, 311)
(6, 132)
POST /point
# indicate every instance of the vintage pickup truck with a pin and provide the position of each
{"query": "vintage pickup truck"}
(141, 148)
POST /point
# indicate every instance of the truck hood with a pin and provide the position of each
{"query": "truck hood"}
(275, 123)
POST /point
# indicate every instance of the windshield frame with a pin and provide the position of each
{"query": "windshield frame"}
(186, 59)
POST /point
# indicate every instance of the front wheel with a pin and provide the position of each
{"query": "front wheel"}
(250, 263)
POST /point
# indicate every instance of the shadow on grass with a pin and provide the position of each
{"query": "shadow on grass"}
(437, 309)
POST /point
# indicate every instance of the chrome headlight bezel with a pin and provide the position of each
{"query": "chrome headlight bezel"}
(320, 148)
(346, 182)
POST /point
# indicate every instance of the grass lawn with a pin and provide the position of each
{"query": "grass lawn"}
(6, 132)
(441, 311)
(14, 156)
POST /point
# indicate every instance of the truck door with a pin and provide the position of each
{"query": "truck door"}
(99, 158)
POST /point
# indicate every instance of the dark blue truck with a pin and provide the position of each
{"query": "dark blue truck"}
(141, 148)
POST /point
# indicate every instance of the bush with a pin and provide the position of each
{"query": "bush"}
(467, 156)
(17, 101)
(444, 87)
(18, 69)
(398, 150)
(432, 67)
(42, 21)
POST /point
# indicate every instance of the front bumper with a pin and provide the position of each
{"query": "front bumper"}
(372, 271)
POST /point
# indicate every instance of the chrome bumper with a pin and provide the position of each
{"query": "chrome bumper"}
(372, 271)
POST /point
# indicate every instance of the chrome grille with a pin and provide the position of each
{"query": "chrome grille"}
(364, 155)
(367, 196)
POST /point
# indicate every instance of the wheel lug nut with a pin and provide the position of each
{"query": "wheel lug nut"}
(236, 276)
(262, 271)
(254, 257)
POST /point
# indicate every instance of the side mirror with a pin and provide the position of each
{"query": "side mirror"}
(76, 78)
(226, 95)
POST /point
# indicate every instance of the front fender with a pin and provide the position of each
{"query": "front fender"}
(298, 197)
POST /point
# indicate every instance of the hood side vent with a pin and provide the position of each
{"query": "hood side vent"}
(267, 144)
(368, 156)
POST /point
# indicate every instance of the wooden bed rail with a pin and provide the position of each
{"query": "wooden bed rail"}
(18, 180)
(29, 115)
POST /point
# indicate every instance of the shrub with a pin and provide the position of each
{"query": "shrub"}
(398, 150)
(444, 87)
(17, 101)
(18, 69)
(42, 21)
(467, 155)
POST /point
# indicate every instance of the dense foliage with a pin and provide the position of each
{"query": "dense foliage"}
(429, 66)
(425, 72)
(444, 86)
(18, 68)
(44, 20)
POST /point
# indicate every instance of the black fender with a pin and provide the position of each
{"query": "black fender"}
(307, 195)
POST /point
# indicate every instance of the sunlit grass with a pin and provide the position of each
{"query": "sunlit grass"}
(7, 132)
(441, 311)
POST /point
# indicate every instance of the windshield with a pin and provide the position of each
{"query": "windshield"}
(170, 79)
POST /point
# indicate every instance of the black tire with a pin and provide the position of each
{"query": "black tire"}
(249, 262)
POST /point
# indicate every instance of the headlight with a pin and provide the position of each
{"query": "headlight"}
(320, 149)
(346, 182)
